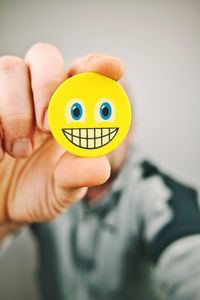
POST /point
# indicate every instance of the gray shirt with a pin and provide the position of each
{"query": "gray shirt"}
(140, 242)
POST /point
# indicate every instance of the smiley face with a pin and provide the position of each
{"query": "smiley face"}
(89, 114)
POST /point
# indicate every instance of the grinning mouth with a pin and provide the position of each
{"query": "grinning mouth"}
(90, 138)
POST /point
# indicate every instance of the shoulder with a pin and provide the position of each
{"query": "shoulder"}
(182, 204)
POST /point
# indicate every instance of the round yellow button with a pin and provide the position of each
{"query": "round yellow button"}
(89, 114)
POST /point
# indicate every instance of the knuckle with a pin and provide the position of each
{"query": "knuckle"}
(8, 63)
(17, 125)
(17, 117)
(39, 47)
(36, 46)
(102, 58)
(91, 56)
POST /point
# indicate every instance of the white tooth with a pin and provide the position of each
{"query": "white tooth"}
(69, 136)
(83, 143)
(90, 133)
(76, 132)
(98, 142)
(83, 132)
(112, 135)
(76, 141)
(91, 143)
(98, 132)
(68, 131)
(105, 140)
(105, 131)
(112, 130)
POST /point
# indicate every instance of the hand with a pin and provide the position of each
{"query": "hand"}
(48, 179)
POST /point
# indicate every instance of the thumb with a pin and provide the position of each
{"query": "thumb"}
(73, 175)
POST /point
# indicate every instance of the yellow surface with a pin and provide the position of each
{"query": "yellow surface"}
(89, 114)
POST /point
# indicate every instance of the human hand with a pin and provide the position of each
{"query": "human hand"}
(48, 179)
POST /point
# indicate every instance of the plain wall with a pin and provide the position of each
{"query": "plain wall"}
(159, 42)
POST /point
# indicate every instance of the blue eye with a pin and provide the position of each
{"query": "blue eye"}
(105, 110)
(76, 111)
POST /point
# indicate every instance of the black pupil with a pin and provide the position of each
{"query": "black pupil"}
(105, 111)
(76, 112)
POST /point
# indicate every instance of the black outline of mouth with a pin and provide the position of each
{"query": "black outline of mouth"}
(70, 136)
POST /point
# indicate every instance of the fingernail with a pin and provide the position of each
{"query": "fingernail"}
(45, 121)
(22, 148)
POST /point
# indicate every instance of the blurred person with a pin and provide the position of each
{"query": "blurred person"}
(114, 227)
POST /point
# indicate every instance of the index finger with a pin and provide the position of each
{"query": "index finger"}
(47, 71)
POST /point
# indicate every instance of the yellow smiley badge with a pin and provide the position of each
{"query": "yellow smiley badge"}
(89, 114)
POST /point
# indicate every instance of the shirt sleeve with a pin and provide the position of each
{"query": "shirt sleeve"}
(177, 271)
(170, 211)
(170, 216)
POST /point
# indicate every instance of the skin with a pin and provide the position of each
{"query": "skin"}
(39, 180)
